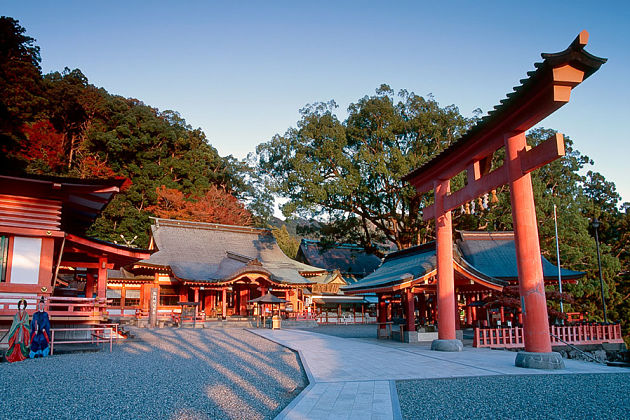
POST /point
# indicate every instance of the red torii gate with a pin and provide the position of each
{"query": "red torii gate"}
(543, 92)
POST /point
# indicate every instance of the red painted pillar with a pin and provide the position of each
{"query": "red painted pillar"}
(530, 274)
(382, 311)
(243, 298)
(445, 282)
(410, 310)
(468, 310)
(196, 289)
(224, 302)
(101, 287)
(422, 304)
(89, 285)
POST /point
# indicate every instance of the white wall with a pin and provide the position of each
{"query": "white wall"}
(25, 263)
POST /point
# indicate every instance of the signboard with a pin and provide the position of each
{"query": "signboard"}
(326, 288)
(153, 305)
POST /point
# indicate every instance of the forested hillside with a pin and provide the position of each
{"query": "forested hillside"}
(60, 124)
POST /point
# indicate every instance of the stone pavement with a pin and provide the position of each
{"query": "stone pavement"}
(355, 378)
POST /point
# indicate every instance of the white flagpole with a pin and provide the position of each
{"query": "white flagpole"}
(555, 221)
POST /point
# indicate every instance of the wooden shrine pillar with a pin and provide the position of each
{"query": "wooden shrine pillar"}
(101, 287)
(530, 273)
(468, 310)
(123, 296)
(410, 310)
(447, 340)
(207, 302)
(224, 303)
(89, 284)
(243, 298)
(382, 311)
(196, 290)
(422, 305)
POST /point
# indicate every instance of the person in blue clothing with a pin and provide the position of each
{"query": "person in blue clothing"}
(40, 332)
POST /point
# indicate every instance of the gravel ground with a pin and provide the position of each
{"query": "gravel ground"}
(347, 331)
(584, 396)
(165, 374)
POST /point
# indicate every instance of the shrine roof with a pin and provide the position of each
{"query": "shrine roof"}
(531, 101)
(398, 267)
(488, 257)
(82, 200)
(349, 259)
(494, 253)
(214, 253)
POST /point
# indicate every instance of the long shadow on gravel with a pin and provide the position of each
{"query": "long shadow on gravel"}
(164, 374)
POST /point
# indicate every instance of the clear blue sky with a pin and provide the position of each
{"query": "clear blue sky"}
(242, 70)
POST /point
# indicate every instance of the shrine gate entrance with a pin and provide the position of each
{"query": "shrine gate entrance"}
(544, 91)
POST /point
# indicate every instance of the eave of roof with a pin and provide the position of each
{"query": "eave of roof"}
(82, 199)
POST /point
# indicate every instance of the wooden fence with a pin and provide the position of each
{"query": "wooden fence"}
(576, 334)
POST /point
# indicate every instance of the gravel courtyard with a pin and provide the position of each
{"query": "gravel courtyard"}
(583, 396)
(165, 374)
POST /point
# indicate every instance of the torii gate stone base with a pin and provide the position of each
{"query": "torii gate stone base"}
(543, 92)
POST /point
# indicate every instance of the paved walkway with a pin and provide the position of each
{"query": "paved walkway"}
(354, 378)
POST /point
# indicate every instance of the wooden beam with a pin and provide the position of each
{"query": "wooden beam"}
(23, 231)
(546, 152)
(532, 159)
(79, 264)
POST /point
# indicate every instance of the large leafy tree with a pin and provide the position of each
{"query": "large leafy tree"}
(349, 173)
(214, 206)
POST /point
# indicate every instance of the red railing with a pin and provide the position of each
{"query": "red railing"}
(55, 306)
(576, 334)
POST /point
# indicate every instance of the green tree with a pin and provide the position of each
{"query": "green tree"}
(349, 173)
(21, 92)
(288, 243)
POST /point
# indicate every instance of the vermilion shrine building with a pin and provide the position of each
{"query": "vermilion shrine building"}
(484, 263)
(43, 221)
(219, 267)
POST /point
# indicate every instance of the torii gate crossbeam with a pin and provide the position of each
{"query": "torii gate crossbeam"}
(544, 91)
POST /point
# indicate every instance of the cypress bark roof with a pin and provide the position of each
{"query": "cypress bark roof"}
(347, 258)
(488, 256)
(207, 252)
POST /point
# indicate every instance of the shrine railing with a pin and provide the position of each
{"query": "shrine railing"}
(575, 334)
(55, 306)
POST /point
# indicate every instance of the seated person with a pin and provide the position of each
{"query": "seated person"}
(40, 332)
(19, 335)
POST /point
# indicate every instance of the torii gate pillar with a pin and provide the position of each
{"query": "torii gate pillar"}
(445, 277)
(530, 273)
